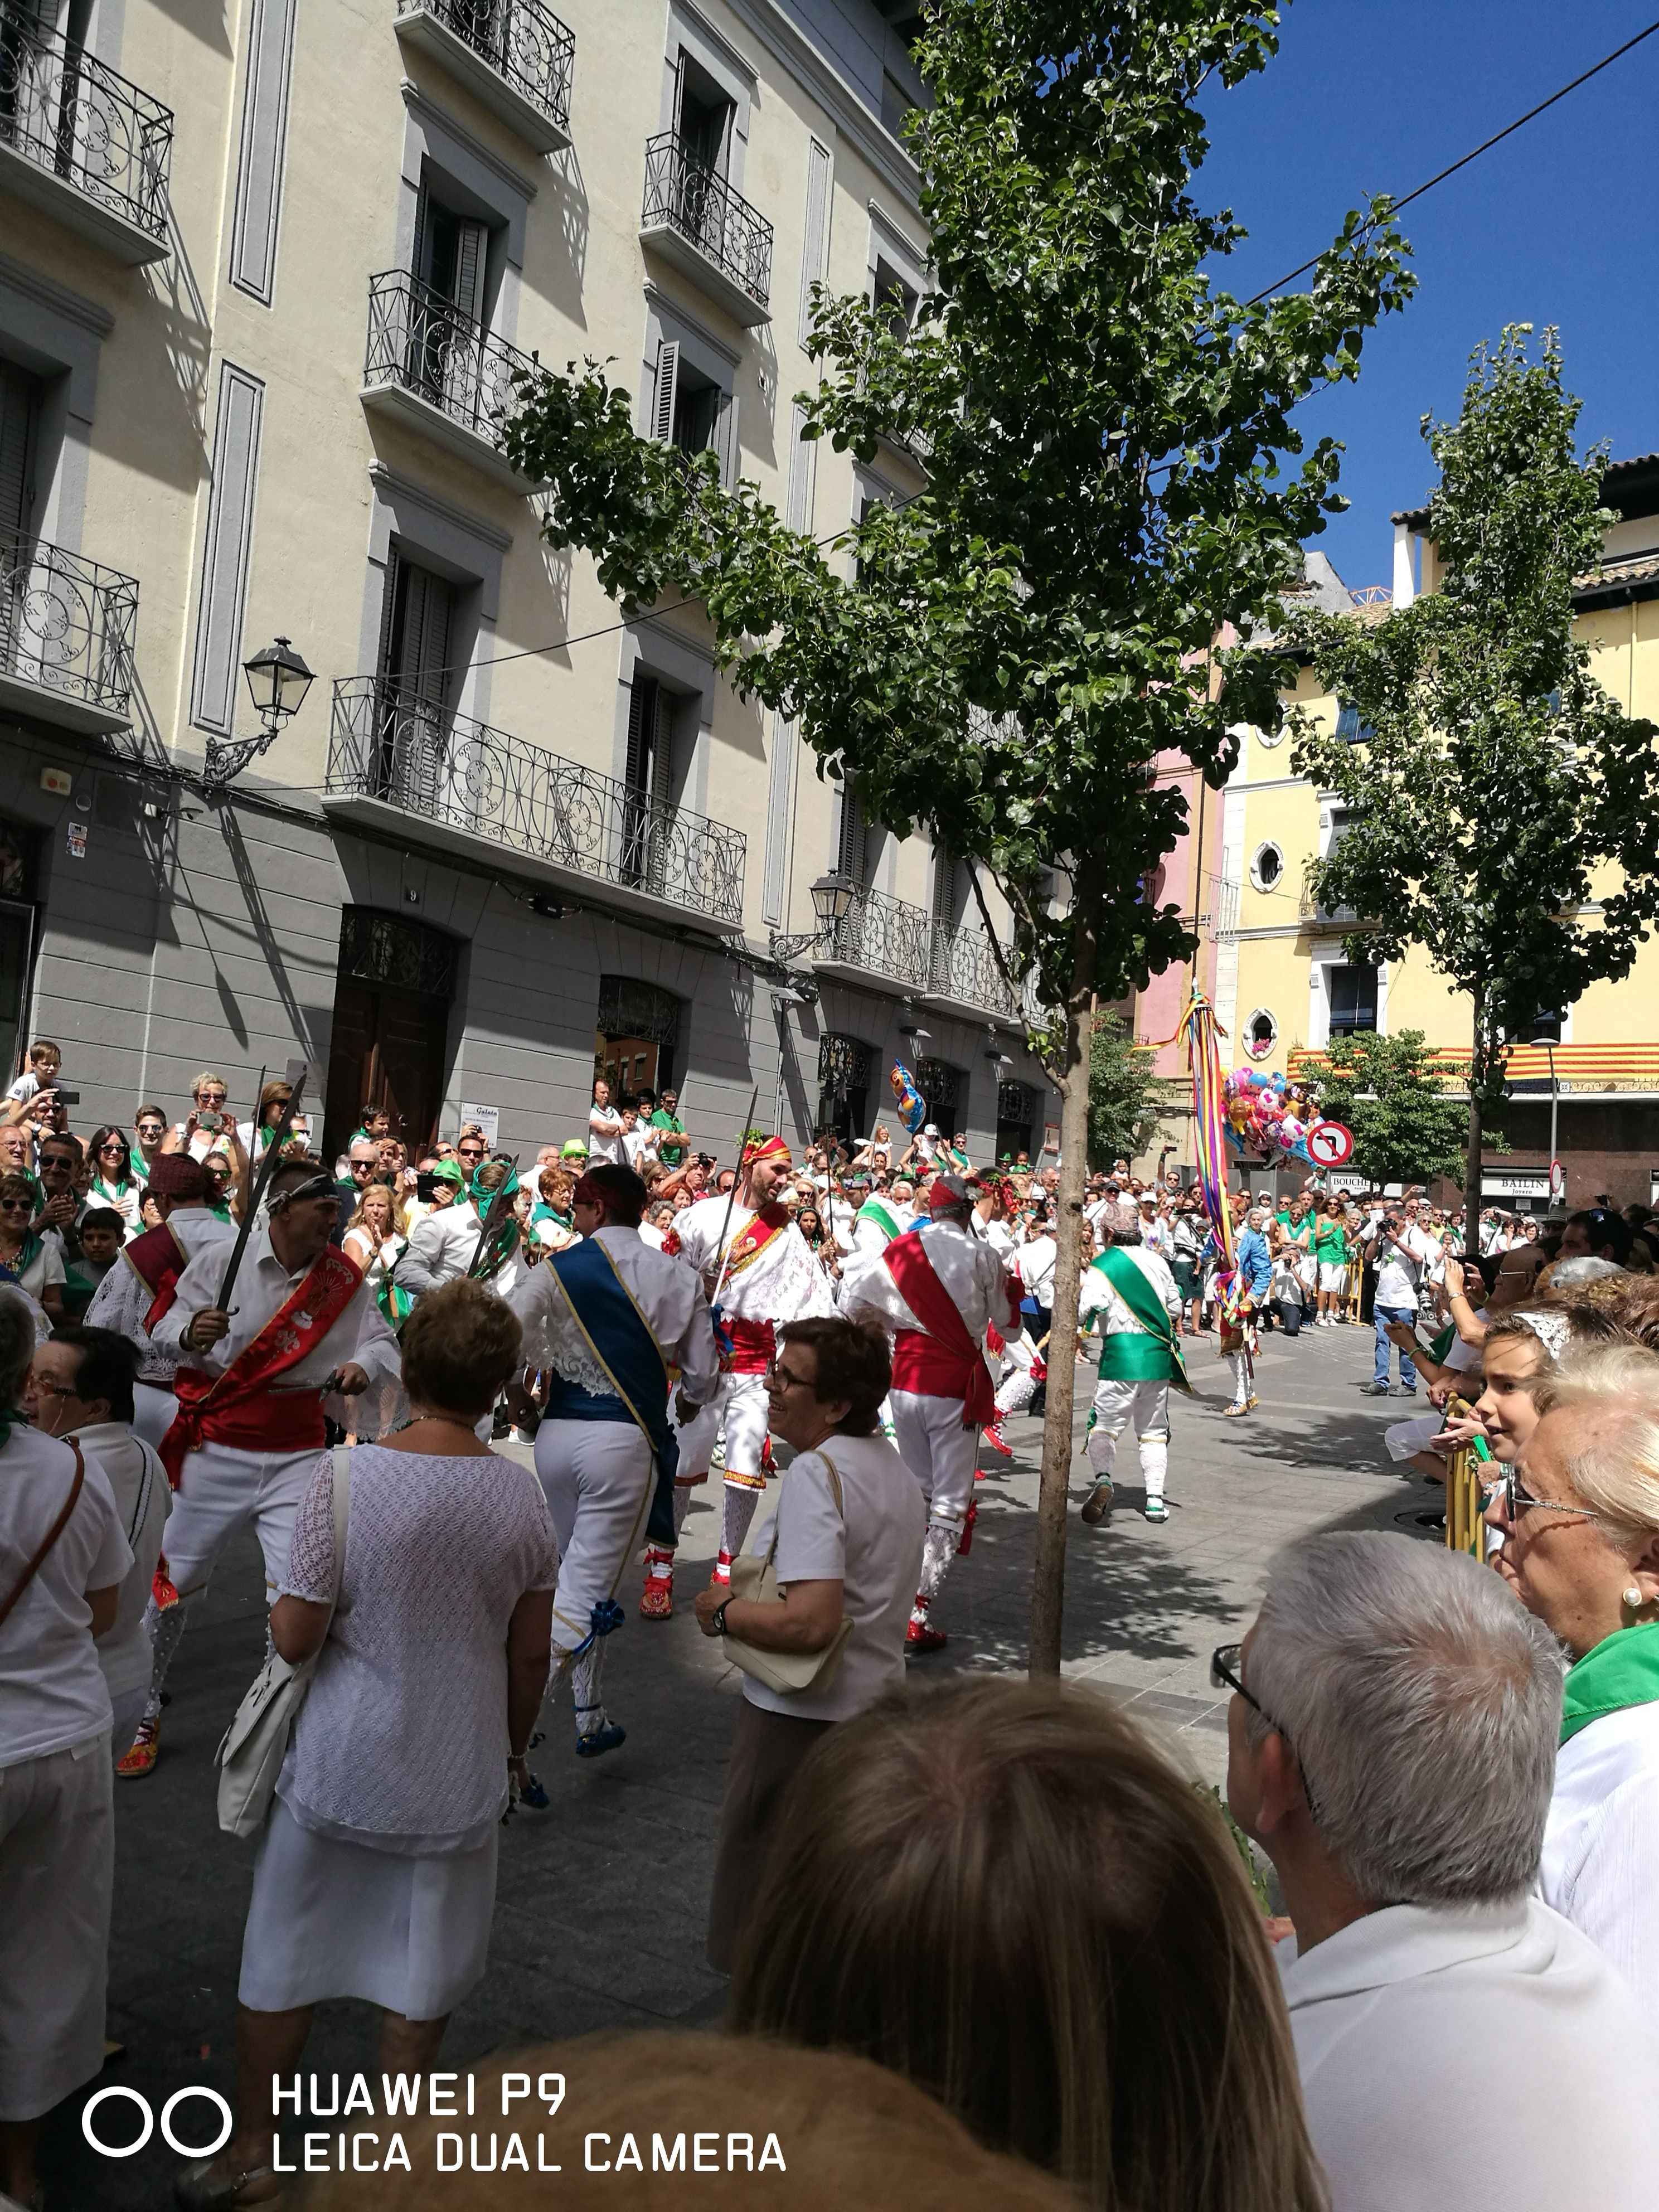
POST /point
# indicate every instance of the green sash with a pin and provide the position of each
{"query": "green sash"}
(872, 1210)
(1152, 1354)
(1622, 1670)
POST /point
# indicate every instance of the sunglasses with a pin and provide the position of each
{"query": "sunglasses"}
(111, 1149)
(16, 1206)
(152, 1128)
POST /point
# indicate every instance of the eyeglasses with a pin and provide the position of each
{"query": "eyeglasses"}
(1226, 1662)
(55, 1390)
(16, 1206)
(782, 1379)
(1518, 1499)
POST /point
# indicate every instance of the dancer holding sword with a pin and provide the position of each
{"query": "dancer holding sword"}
(760, 1272)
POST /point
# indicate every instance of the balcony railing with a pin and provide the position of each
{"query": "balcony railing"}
(683, 194)
(389, 744)
(421, 342)
(74, 117)
(67, 626)
(886, 937)
(523, 42)
(965, 969)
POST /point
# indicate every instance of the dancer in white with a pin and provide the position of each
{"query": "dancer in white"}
(444, 1245)
(139, 1288)
(938, 1289)
(607, 1319)
(759, 1273)
(1130, 1291)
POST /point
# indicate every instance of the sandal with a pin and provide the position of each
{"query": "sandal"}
(199, 2189)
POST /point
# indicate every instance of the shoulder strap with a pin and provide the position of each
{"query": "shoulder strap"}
(151, 1462)
(835, 1481)
(52, 1536)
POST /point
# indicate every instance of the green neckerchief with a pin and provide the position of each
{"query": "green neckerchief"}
(220, 1212)
(1442, 1344)
(1622, 1670)
(543, 1212)
(873, 1210)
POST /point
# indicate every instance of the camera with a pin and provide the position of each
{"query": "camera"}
(65, 1097)
(207, 1119)
(426, 1188)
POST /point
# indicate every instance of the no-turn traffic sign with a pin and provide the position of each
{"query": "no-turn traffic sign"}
(1330, 1145)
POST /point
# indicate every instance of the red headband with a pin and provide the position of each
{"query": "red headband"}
(769, 1148)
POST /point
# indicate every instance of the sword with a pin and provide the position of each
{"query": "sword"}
(731, 1195)
(501, 1202)
(296, 1076)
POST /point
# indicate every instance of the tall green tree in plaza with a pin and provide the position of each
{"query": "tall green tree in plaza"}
(1114, 491)
(1503, 810)
(1390, 1092)
(1124, 1094)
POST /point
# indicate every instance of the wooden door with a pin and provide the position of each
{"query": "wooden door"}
(388, 1049)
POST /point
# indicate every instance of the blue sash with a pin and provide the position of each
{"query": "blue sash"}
(620, 1339)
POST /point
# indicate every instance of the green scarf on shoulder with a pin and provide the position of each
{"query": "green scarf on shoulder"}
(1622, 1670)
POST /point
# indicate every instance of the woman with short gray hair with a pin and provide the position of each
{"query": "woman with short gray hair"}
(1579, 1511)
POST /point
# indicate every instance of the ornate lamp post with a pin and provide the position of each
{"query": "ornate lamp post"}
(277, 681)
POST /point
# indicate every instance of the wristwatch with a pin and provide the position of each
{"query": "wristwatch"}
(719, 1616)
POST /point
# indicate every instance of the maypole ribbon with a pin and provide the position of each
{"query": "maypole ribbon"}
(1198, 1030)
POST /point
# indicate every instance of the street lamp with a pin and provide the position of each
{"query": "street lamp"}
(832, 902)
(1547, 1031)
(277, 681)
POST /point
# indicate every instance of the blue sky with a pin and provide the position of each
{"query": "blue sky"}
(1554, 226)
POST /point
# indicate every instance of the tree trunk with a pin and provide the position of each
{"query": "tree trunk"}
(1049, 1575)
(1472, 1156)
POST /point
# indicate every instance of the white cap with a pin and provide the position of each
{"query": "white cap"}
(930, 1128)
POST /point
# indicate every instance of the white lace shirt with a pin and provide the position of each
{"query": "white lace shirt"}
(401, 1742)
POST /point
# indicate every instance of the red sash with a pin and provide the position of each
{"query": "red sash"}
(754, 1345)
(158, 1259)
(753, 1238)
(239, 1407)
(945, 1363)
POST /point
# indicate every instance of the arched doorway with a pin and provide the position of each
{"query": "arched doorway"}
(637, 1040)
(389, 1045)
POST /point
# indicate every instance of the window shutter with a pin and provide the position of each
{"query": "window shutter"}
(815, 241)
(19, 407)
(470, 249)
(641, 714)
(668, 377)
(725, 437)
(944, 887)
(662, 748)
(850, 838)
(803, 466)
(226, 550)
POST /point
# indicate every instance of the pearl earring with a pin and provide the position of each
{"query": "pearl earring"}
(1632, 1598)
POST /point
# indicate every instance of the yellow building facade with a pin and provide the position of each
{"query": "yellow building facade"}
(1282, 983)
(268, 275)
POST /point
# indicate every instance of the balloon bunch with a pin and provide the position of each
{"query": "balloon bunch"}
(1267, 1113)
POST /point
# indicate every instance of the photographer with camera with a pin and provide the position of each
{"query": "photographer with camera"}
(1400, 1251)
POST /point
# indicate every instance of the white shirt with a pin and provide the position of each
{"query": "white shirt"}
(1033, 1263)
(970, 1271)
(638, 1144)
(1399, 1271)
(262, 1287)
(1601, 1867)
(1476, 2058)
(1096, 1296)
(870, 1235)
(604, 1134)
(52, 1696)
(874, 1552)
(442, 1249)
(123, 1299)
(785, 1283)
(138, 1484)
(667, 1293)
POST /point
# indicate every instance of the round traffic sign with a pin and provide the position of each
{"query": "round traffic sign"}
(1329, 1144)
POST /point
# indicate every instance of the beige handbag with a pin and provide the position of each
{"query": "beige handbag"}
(791, 1673)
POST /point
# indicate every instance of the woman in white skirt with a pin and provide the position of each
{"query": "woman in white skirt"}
(376, 1874)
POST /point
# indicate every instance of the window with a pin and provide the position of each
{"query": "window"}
(843, 1086)
(1350, 728)
(704, 114)
(1268, 866)
(895, 299)
(417, 616)
(690, 410)
(1354, 999)
(636, 1036)
(1261, 1034)
(648, 774)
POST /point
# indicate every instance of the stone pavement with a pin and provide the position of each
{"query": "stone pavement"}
(600, 1907)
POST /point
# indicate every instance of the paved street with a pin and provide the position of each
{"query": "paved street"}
(600, 1917)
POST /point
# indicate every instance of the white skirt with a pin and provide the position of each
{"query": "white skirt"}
(335, 1920)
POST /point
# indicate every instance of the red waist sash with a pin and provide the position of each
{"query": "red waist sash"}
(754, 1345)
(254, 1420)
(931, 1370)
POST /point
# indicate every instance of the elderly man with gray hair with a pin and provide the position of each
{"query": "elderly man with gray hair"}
(1392, 1748)
(1129, 1292)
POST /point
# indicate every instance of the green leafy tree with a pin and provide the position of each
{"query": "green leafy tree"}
(1390, 1092)
(1504, 809)
(1115, 487)
(1125, 1097)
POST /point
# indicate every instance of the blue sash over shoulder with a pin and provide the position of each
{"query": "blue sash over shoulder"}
(620, 1339)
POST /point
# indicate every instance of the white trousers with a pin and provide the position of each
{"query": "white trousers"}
(939, 1452)
(153, 1409)
(1019, 1384)
(739, 1406)
(221, 1490)
(596, 1477)
(1146, 1404)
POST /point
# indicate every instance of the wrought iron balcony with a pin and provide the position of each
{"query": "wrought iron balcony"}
(695, 219)
(391, 747)
(77, 139)
(884, 937)
(66, 637)
(965, 973)
(514, 56)
(442, 371)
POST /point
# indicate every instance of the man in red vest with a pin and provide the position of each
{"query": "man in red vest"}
(250, 1385)
(138, 1291)
(938, 1289)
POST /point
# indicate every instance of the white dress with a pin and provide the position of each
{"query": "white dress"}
(376, 1874)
